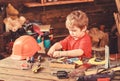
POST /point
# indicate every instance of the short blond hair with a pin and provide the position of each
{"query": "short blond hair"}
(77, 18)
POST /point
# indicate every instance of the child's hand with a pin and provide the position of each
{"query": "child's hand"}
(56, 54)
(50, 52)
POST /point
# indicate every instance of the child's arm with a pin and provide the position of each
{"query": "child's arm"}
(53, 48)
(70, 53)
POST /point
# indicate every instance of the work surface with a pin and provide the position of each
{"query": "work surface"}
(10, 70)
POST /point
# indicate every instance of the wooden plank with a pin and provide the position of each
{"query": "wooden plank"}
(117, 20)
(35, 4)
(6, 77)
(118, 5)
(27, 73)
(58, 65)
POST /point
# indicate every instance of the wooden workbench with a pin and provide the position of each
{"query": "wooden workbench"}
(10, 70)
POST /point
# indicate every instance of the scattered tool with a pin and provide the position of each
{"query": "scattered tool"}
(58, 60)
(39, 58)
(26, 66)
(61, 74)
(30, 59)
(36, 67)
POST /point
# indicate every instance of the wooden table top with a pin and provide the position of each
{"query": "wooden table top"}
(10, 70)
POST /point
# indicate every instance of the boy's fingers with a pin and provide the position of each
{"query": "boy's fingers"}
(50, 54)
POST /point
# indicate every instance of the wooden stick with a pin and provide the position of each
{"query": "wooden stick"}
(117, 20)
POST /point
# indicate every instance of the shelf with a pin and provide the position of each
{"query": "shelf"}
(36, 4)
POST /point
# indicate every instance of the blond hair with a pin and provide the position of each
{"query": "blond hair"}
(77, 18)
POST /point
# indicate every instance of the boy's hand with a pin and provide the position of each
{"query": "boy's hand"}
(56, 54)
(50, 52)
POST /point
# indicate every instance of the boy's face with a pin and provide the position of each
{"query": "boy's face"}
(75, 32)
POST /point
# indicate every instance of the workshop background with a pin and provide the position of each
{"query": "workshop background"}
(99, 12)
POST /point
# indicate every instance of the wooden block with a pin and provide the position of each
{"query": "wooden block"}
(58, 65)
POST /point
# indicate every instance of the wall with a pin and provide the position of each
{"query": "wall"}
(98, 13)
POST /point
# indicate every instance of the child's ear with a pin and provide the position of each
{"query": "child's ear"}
(84, 29)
